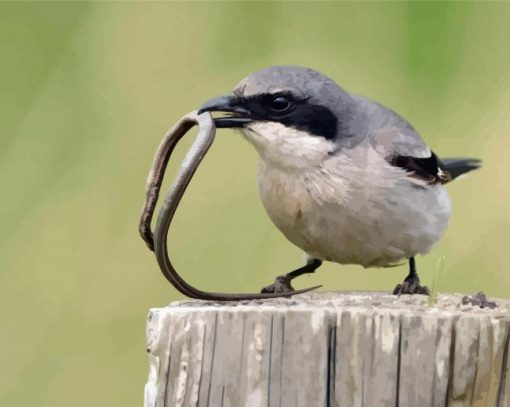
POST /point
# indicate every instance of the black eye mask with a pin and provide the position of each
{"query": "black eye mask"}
(301, 114)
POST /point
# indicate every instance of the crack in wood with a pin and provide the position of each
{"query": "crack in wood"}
(349, 349)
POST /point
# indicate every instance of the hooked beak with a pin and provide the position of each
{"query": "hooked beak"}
(237, 116)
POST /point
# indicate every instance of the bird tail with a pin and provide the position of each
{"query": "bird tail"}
(459, 166)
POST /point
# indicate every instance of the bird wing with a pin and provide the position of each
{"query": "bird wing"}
(399, 143)
(430, 169)
(404, 148)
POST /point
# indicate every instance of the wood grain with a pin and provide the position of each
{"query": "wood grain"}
(329, 349)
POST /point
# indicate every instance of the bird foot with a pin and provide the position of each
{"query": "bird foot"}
(281, 285)
(479, 299)
(411, 285)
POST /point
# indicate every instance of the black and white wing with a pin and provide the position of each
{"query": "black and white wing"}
(397, 140)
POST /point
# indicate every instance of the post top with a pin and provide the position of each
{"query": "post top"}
(447, 305)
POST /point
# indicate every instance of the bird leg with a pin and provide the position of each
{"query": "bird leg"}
(282, 283)
(411, 284)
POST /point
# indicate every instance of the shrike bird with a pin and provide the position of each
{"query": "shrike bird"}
(344, 178)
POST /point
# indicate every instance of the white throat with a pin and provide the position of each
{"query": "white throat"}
(287, 147)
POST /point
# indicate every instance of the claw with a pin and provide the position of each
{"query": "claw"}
(412, 286)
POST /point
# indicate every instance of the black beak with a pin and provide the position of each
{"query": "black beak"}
(238, 115)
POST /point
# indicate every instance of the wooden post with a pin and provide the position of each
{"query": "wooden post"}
(329, 349)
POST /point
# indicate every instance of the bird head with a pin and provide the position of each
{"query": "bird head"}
(292, 115)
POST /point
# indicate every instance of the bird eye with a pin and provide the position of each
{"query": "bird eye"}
(280, 103)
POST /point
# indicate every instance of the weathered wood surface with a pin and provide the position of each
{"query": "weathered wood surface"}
(329, 349)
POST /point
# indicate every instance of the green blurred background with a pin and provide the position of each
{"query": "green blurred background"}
(87, 91)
